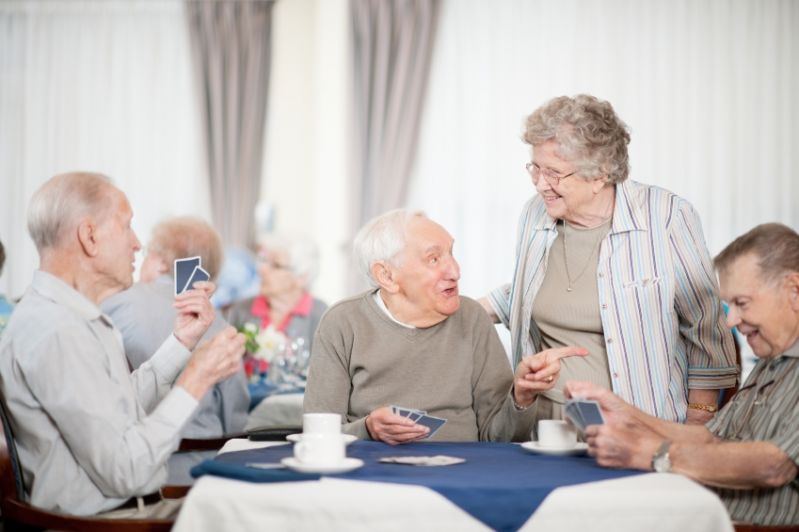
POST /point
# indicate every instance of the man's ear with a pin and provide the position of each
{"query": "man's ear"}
(87, 237)
(384, 276)
(792, 285)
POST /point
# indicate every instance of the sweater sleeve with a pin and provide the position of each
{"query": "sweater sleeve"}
(329, 382)
(497, 417)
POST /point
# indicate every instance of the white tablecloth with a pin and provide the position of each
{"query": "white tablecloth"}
(650, 502)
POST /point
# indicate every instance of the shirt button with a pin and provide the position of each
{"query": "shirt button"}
(601, 275)
(604, 306)
(610, 340)
(615, 375)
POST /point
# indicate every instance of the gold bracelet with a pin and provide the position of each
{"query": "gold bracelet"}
(706, 408)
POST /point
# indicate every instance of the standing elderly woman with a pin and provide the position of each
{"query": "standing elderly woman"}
(614, 266)
(287, 267)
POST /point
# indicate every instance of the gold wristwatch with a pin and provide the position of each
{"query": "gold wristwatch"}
(660, 460)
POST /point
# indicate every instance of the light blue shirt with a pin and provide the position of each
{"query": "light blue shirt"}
(5, 312)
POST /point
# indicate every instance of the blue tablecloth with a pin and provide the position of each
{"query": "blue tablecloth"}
(500, 483)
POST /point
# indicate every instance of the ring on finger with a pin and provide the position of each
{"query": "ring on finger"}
(550, 378)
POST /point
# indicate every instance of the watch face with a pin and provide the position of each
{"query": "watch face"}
(662, 463)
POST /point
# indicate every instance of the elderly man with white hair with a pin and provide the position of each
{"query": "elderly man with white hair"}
(414, 341)
(91, 434)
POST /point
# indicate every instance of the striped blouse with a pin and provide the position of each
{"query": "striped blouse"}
(661, 315)
(764, 409)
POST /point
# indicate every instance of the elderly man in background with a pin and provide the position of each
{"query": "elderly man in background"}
(749, 452)
(414, 341)
(90, 433)
(144, 314)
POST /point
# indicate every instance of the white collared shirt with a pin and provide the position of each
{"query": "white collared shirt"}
(382, 304)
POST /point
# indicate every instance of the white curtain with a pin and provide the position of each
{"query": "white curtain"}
(708, 88)
(101, 86)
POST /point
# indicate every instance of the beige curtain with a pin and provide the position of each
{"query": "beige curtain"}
(230, 43)
(392, 48)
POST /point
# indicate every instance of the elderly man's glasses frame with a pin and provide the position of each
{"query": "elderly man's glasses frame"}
(552, 178)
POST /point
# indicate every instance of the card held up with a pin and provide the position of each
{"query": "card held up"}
(197, 275)
(184, 268)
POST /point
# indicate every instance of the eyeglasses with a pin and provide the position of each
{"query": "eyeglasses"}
(552, 178)
(269, 260)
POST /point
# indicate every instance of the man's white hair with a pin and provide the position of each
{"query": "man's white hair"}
(382, 239)
(60, 203)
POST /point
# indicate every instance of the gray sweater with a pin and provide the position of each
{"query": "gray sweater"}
(456, 370)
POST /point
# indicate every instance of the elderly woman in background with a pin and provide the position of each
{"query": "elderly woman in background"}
(287, 267)
(617, 267)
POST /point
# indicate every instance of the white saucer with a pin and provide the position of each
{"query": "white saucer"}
(347, 465)
(348, 438)
(533, 447)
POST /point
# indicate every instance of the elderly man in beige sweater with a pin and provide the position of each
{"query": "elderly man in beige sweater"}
(414, 341)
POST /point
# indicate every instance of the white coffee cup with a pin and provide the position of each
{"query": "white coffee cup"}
(320, 449)
(556, 433)
(321, 423)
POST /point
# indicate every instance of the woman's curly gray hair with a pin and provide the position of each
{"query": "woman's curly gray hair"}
(588, 131)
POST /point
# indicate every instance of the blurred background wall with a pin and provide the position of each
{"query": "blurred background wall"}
(707, 87)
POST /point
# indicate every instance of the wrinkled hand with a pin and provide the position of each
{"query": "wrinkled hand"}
(622, 444)
(539, 373)
(622, 441)
(195, 313)
(212, 362)
(614, 409)
(384, 425)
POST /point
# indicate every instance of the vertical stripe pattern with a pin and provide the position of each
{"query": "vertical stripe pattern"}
(661, 314)
(765, 410)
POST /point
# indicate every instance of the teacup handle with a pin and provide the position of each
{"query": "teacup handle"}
(301, 449)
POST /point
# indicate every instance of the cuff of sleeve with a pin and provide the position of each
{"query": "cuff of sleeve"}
(499, 301)
(170, 359)
(712, 379)
(177, 407)
(358, 429)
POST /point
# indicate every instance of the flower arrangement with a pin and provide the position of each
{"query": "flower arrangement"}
(262, 346)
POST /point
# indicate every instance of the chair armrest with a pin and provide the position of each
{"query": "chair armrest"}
(206, 444)
(272, 433)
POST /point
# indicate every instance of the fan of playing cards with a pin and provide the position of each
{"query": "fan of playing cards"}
(420, 417)
(583, 412)
(187, 272)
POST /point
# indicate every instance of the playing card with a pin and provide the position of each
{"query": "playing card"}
(198, 275)
(415, 416)
(590, 412)
(438, 460)
(431, 422)
(573, 413)
(184, 268)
